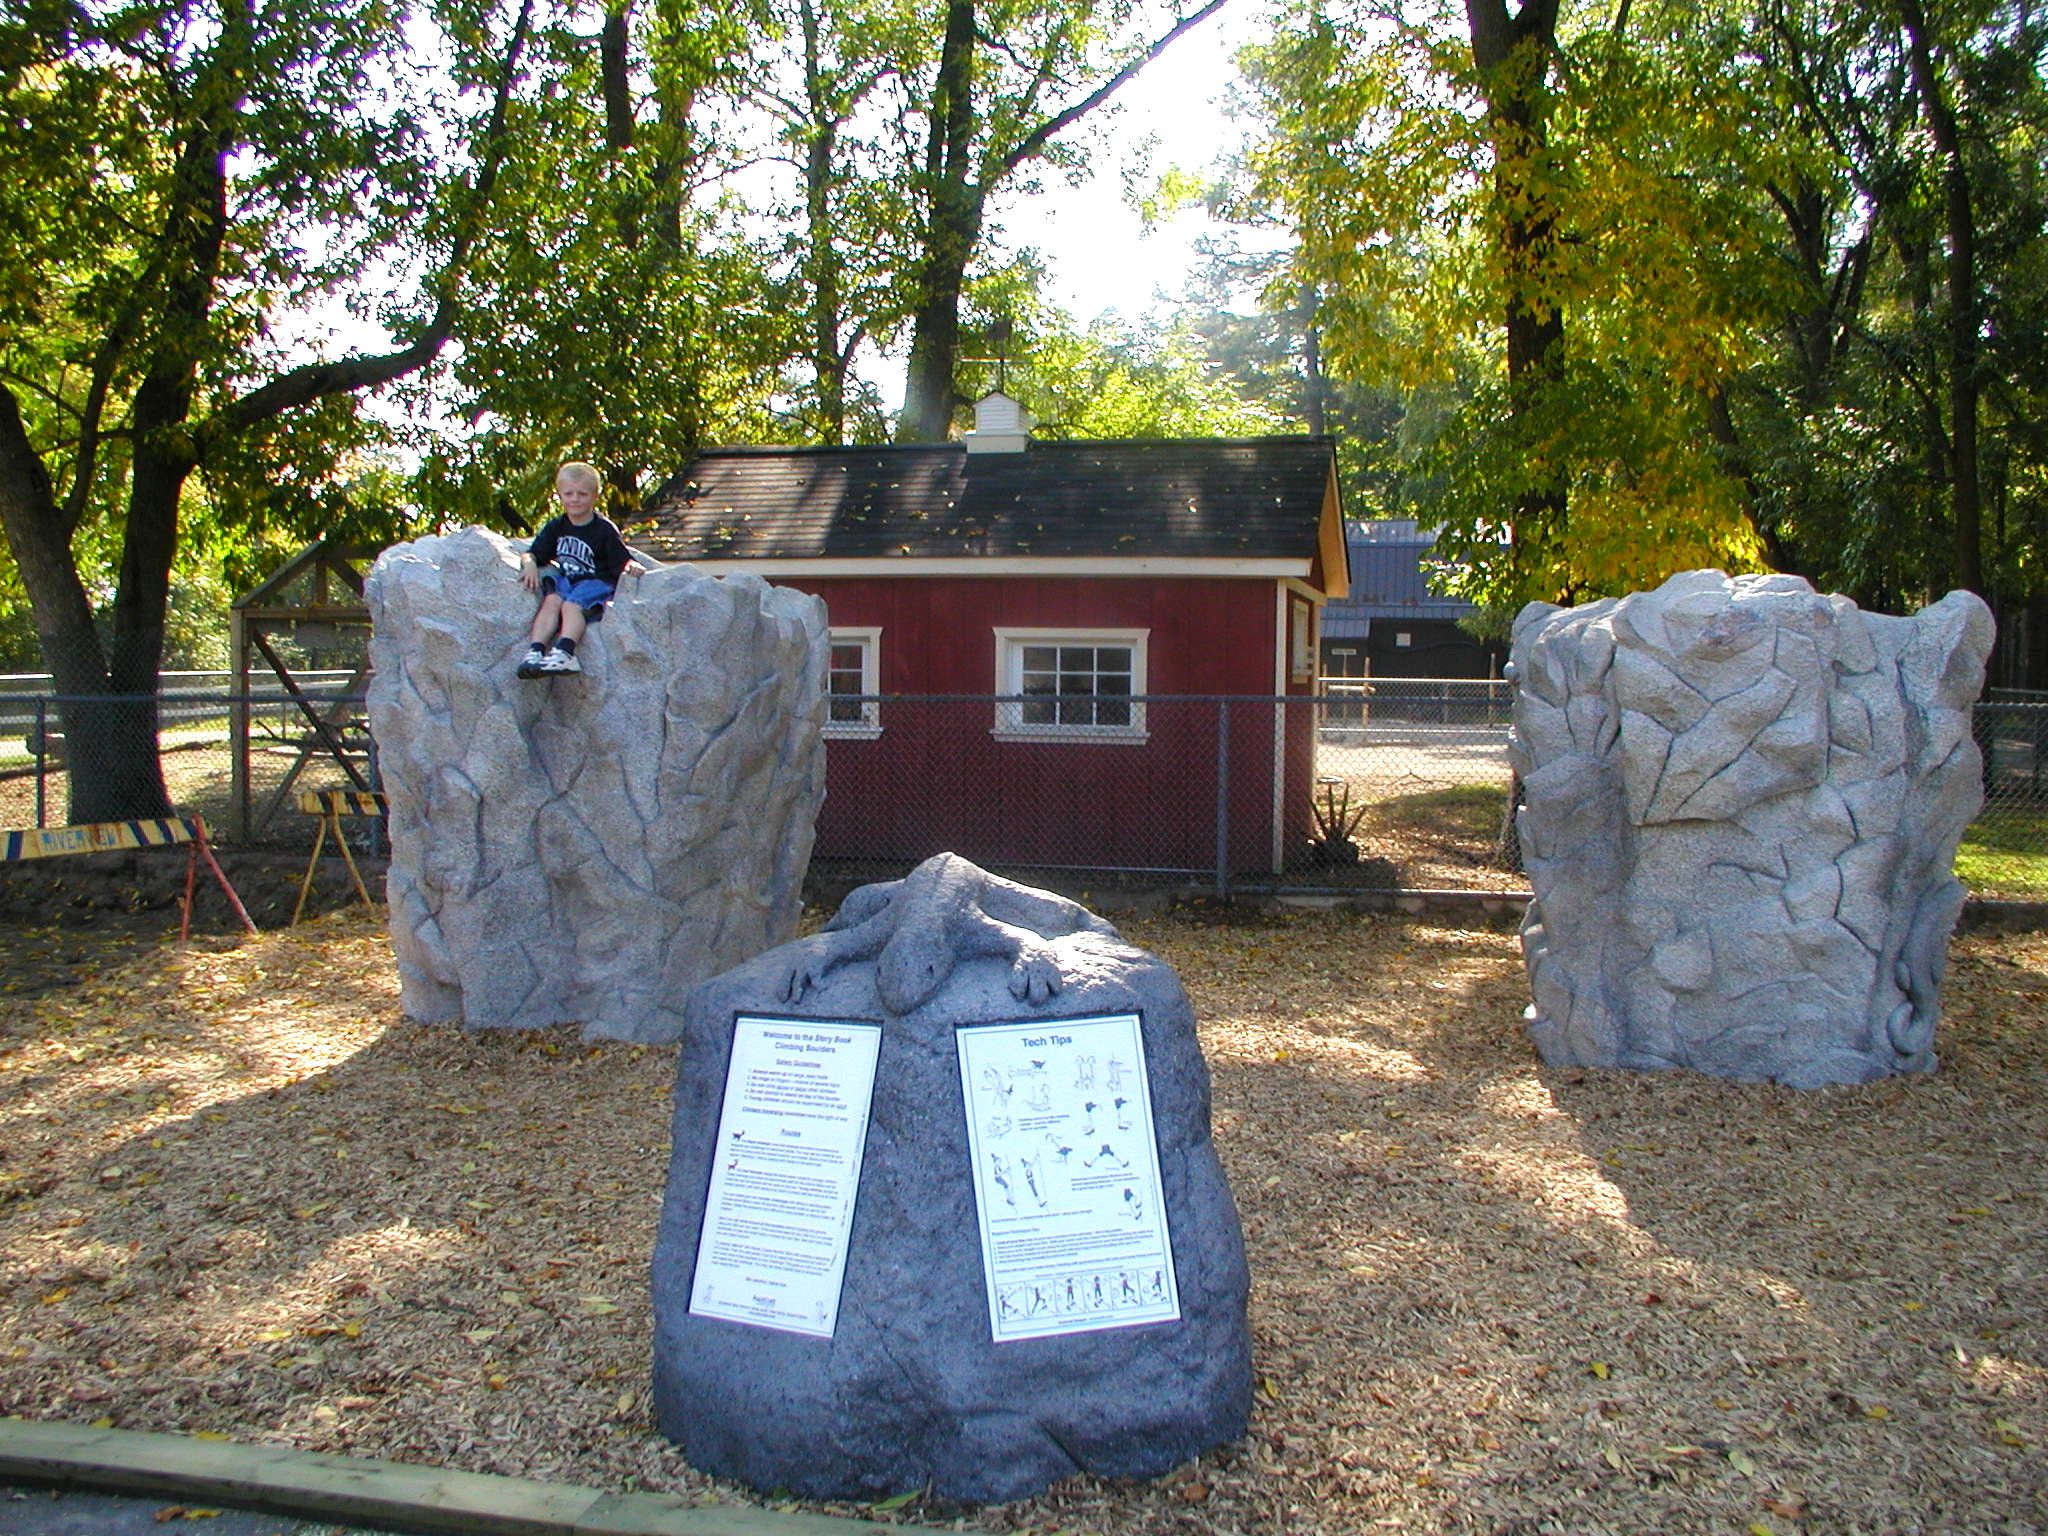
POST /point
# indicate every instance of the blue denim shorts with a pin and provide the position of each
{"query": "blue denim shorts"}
(588, 593)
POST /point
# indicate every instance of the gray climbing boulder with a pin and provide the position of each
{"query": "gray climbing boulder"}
(587, 848)
(912, 1388)
(1742, 804)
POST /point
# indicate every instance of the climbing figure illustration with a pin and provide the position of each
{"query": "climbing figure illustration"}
(1030, 1166)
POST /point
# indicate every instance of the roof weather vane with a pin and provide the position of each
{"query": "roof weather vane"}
(999, 332)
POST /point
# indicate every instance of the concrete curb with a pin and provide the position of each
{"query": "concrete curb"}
(306, 1485)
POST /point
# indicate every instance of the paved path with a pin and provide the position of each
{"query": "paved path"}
(71, 1512)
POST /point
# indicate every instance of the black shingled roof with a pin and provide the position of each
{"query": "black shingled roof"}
(1252, 498)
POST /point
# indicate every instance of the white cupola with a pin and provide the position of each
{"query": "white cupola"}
(1001, 425)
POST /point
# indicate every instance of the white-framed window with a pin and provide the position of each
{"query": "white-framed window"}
(852, 678)
(1071, 684)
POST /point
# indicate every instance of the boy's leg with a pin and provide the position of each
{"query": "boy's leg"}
(563, 657)
(546, 619)
(537, 637)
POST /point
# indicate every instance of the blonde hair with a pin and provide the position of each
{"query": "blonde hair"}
(585, 474)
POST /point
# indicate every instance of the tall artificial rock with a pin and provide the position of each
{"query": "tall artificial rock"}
(1742, 805)
(587, 848)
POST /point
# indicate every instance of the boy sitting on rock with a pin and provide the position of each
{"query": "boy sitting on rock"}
(588, 555)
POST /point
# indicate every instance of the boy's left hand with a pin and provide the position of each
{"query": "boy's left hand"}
(635, 568)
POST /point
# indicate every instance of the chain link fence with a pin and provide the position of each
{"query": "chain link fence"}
(1382, 785)
(315, 739)
(2005, 851)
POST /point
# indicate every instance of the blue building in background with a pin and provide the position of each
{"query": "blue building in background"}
(1392, 624)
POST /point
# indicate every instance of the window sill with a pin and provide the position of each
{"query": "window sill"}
(850, 732)
(1069, 735)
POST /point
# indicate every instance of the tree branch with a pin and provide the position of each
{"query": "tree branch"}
(315, 381)
(1039, 137)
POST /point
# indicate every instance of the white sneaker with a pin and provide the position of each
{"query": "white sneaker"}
(560, 661)
(534, 662)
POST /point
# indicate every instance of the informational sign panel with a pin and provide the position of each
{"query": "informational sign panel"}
(1066, 1176)
(772, 1250)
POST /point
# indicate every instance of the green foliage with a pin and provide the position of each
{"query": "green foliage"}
(1847, 428)
(1120, 380)
(1647, 241)
(630, 322)
(1737, 220)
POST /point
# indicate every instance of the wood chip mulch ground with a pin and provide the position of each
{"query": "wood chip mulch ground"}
(241, 1196)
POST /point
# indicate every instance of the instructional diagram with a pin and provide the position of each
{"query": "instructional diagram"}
(791, 1137)
(1066, 1176)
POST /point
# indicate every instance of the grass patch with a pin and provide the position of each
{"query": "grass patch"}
(2005, 853)
(1471, 810)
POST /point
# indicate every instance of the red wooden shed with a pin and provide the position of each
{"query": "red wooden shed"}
(1063, 617)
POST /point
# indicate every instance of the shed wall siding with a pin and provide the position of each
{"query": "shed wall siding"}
(938, 633)
(936, 778)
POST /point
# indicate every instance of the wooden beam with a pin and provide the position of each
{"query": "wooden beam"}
(331, 613)
(307, 1485)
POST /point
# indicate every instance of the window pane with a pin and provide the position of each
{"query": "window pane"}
(846, 657)
(1076, 685)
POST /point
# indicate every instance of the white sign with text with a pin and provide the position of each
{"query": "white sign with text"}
(785, 1173)
(1066, 1176)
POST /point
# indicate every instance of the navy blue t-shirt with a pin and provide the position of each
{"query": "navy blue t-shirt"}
(595, 549)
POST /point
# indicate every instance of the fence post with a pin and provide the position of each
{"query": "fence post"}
(42, 747)
(1223, 799)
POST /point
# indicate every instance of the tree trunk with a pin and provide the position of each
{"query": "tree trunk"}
(828, 358)
(1965, 498)
(614, 62)
(1315, 385)
(953, 215)
(1514, 57)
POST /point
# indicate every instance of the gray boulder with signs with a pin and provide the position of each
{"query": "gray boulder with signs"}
(1043, 1271)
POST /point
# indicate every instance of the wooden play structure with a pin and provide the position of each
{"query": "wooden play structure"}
(312, 606)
